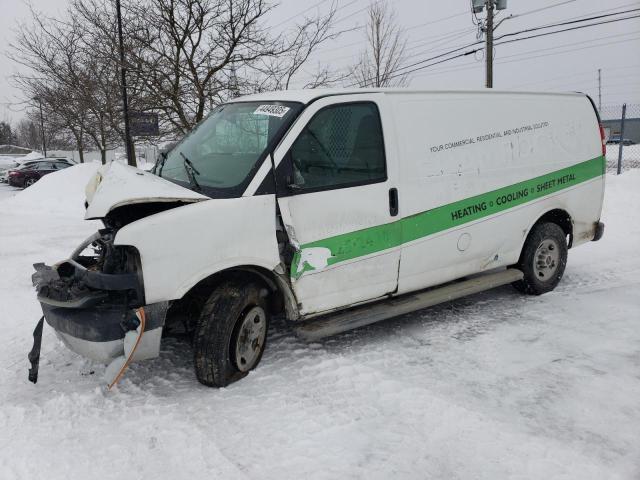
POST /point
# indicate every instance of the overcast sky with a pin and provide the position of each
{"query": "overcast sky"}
(566, 61)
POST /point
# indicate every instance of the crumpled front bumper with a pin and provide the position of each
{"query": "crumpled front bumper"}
(90, 313)
(98, 332)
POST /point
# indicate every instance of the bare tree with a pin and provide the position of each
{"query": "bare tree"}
(278, 72)
(63, 77)
(6, 135)
(385, 50)
(183, 57)
(28, 134)
(199, 53)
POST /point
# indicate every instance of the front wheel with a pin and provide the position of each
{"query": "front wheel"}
(543, 259)
(231, 334)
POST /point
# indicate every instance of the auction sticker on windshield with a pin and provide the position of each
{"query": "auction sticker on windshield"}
(272, 110)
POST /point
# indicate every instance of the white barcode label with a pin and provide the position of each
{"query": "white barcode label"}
(272, 110)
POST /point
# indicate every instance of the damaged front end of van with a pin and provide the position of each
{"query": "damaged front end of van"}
(205, 220)
(91, 299)
(95, 299)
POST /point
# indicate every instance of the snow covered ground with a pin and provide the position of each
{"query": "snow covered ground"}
(7, 191)
(494, 386)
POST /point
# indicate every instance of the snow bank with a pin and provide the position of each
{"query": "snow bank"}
(31, 156)
(59, 193)
(7, 161)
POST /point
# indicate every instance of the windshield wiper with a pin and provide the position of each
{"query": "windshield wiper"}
(163, 159)
(191, 172)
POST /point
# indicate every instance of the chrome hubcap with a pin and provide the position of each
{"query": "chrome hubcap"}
(250, 339)
(546, 259)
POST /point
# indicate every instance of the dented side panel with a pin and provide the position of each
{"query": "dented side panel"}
(339, 274)
(320, 282)
(180, 247)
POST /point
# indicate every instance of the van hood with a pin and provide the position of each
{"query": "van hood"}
(116, 185)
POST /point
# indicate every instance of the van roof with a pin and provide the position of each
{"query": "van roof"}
(308, 95)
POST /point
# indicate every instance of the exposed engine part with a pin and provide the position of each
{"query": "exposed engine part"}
(126, 214)
(107, 272)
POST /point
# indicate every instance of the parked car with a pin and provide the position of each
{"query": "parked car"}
(615, 140)
(332, 209)
(30, 172)
(4, 170)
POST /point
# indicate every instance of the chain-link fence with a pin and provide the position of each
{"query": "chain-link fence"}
(622, 130)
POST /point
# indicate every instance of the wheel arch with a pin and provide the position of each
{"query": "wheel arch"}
(281, 296)
(560, 217)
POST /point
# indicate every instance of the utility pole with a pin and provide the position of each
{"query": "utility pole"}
(125, 103)
(44, 144)
(621, 144)
(489, 46)
(599, 93)
(488, 28)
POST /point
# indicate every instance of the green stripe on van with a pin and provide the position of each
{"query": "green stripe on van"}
(382, 237)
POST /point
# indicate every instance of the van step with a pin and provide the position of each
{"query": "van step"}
(333, 324)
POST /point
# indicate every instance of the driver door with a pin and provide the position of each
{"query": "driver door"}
(337, 195)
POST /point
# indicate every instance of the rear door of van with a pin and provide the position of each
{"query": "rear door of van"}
(339, 203)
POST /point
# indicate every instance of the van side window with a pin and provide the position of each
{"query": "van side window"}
(341, 146)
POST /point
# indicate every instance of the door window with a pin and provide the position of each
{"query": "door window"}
(341, 146)
(43, 166)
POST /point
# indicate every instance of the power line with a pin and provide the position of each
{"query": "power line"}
(357, 11)
(443, 41)
(437, 21)
(593, 81)
(569, 20)
(469, 52)
(450, 36)
(342, 47)
(541, 9)
(577, 74)
(515, 55)
(565, 30)
(424, 40)
(503, 61)
(533, 36)
(300, 13)
(542, 27)
(597, 11)
(342, 7)
(475, 65)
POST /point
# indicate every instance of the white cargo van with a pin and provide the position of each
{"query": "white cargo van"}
(334, 208)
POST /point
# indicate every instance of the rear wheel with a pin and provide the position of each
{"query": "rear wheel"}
(29, 181)
(543, 259)
(231, 334)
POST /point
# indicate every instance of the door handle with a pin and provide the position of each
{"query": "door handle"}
(393, 202)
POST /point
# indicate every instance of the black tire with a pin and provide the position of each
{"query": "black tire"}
(542, 266)
(28, 182)
(218, 332)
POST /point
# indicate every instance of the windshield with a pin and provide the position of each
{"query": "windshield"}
(223, 150)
